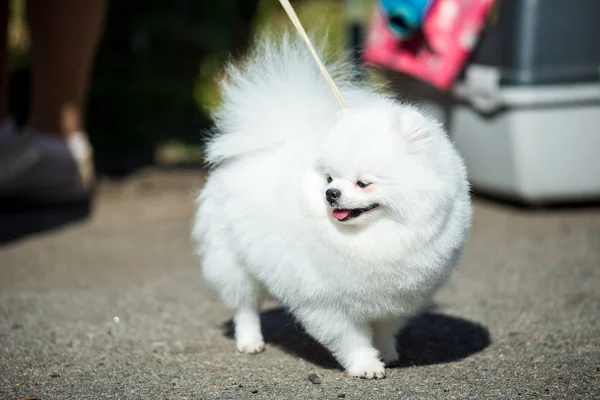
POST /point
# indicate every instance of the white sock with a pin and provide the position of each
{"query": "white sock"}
(7, 128)
(76, 145)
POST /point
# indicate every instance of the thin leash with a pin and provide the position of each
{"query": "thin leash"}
(298, 25)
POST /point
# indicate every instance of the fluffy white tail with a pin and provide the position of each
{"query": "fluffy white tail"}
(276, 95)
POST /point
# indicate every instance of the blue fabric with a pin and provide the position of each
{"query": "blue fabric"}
(404, 16)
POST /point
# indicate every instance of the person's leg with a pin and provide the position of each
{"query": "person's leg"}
(64, 37)
(52, 162)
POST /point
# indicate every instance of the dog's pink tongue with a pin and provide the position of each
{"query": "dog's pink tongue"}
(340, 214)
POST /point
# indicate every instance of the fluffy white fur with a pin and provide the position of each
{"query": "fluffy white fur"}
(265, 226)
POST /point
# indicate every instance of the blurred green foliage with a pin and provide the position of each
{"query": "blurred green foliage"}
(155, 73)
(148, 64)
(323, 16)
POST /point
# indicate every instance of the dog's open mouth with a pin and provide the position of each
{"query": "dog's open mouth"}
(343, 214)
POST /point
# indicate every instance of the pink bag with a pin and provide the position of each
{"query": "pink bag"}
(450, 30)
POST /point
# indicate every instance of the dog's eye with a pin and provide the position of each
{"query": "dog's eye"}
(329, 179)
(362, 184)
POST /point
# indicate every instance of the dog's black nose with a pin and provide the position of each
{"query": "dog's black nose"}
(332, 195)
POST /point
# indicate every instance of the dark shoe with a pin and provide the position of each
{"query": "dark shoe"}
(29, 174)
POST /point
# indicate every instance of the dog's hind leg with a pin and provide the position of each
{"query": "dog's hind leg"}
(248, 335)
(224, 271)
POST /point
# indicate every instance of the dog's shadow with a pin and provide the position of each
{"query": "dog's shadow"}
(429, 338)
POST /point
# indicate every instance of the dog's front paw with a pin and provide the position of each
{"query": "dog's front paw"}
(251, 346)
(372, 369)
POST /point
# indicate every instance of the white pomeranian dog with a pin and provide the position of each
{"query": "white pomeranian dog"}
(350, 218)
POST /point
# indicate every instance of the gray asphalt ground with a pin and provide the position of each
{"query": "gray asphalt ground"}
(520, 318)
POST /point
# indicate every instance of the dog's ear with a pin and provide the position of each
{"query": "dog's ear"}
(414, 127)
